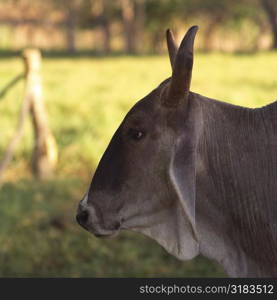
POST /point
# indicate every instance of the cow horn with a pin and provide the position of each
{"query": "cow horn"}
(182, 69)
(171, 46)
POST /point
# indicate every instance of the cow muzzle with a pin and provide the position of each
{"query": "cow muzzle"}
(87, 219)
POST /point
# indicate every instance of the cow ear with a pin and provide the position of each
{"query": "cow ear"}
(182, 61)
(183, 180)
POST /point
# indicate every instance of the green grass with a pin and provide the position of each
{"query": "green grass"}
(86, 99)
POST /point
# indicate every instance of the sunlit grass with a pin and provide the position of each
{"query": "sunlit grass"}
(86, 99)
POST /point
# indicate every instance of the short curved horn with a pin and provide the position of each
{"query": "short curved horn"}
(181, 75)
(171, 46)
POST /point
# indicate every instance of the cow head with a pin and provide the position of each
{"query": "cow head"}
(145, 179)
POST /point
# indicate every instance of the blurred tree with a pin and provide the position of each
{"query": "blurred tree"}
(102, 14)
(140, 24)
(72, 10)
(133, 21)
(214, 12)
(159, 15)
(128, 19)
(71, 25)
(103, 11)
(217, 14)
(270, 8)
(143, 23)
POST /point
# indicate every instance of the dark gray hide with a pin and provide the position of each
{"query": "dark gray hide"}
(195, 174)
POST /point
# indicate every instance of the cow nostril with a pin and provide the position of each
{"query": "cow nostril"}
(82, 217)
(117, 225)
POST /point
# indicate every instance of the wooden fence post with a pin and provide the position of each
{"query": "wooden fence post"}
(45, 153)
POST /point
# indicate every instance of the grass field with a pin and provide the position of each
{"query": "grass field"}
(86, 99)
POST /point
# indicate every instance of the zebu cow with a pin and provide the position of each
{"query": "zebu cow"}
(195, 174)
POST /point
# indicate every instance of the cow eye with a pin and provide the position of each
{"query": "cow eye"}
(135, 134)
